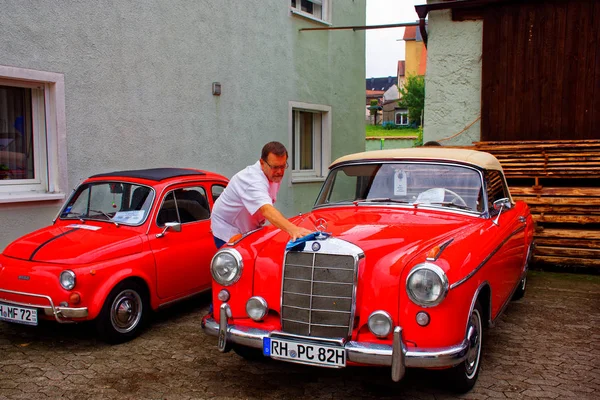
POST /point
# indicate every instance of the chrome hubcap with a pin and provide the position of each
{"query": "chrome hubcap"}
(474, 351)
(126, 311)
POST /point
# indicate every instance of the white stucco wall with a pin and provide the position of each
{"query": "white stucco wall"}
(453, 79)
(138, 79)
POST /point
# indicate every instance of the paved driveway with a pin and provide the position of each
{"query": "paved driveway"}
(546, 345)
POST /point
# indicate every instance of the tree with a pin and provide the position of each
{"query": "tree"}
(413, 97)
(373, 109)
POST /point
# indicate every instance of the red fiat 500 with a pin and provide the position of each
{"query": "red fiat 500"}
(123, 243)
(415, 251)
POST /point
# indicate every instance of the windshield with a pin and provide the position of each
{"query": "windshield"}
(117, 202)
(415, 184)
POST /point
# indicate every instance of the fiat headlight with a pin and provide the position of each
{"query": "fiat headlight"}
(427, 285)
(67, 279)
(226, 267)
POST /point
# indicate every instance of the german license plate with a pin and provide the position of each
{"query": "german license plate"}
(21, 315)
(304, 352)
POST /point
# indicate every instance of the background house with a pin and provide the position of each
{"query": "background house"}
(414, 63)
(90, 87)
(376, 89)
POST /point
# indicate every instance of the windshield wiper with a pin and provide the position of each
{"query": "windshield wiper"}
(380, 200)
(108, 217)
(447, 204)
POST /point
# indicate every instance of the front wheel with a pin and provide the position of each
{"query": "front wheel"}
(124, 313)
(462, 377)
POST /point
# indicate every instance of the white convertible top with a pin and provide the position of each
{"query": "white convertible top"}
(474, 157)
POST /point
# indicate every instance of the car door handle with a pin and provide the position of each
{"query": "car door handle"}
(522, 219)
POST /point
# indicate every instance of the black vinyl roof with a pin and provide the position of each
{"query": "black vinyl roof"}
(153, 174)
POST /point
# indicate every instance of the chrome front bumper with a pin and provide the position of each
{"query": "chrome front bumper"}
(397, 356)
(61, 314)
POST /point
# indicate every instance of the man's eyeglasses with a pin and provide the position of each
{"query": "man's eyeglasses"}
(277, 167)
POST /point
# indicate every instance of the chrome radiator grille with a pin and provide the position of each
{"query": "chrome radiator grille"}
(318, 294)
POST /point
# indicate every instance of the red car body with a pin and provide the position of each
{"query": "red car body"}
(417, 249)
(127, 242)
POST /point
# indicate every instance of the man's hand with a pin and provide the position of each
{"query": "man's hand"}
(297, 232)
(276, 218)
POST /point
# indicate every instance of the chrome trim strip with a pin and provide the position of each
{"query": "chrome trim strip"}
(59, 313)
(358, 352)
(466, 278)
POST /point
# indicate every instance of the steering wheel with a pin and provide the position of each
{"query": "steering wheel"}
(455, 196)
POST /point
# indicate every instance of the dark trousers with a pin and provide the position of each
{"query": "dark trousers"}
(218, 242)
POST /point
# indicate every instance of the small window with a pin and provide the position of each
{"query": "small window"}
(496, 189)
(216, 191)
(32, 139)
(183, 206)
(313, 9)
(310, 137)
(402, 118)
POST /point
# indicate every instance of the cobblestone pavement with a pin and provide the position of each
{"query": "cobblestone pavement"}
(546, 345)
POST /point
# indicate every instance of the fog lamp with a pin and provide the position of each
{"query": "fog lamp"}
(422, 318)
(223, 295)
(380, 323)
(256, 308)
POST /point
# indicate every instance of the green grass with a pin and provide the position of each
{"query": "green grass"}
(377, 130)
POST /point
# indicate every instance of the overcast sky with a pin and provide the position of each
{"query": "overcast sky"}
(383, 48)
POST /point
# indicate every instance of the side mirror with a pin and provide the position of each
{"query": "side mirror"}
(175, 226)
(500, 205)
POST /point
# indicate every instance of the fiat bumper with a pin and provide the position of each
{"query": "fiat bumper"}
(397, 355)
(61, 314)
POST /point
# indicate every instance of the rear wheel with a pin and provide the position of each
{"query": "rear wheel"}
(462, 377)
(124, 313)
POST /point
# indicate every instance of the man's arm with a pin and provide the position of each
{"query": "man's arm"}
(277, 219)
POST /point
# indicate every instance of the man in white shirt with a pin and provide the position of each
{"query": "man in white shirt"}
(248, 199)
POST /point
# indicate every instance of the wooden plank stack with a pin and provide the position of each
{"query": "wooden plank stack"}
(560, 180)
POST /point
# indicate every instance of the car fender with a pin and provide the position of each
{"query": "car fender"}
(144, 271)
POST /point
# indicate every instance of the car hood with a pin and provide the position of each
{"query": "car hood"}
(373, 228)
(386, 236)
(75, 244)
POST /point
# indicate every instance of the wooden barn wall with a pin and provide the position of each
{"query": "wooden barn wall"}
(541, 71)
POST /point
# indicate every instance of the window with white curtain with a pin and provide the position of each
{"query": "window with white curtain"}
(31, 116)
(310, 141)
(313, 9)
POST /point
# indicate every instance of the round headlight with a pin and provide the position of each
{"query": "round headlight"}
(380, 323)
(67, 279)
(427, 285)
(256, 308)
(226, 267)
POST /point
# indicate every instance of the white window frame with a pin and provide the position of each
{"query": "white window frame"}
(325, 10)
(405, 113)
(49, 125)
(321, 142)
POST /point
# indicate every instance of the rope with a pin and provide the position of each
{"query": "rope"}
(466, 127)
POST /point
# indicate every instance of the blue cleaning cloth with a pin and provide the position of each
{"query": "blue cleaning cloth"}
(298, 244)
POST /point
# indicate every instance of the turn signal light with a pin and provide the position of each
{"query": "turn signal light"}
(74, 298)
(234, 238)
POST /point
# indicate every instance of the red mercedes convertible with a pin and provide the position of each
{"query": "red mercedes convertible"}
(415, 251)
